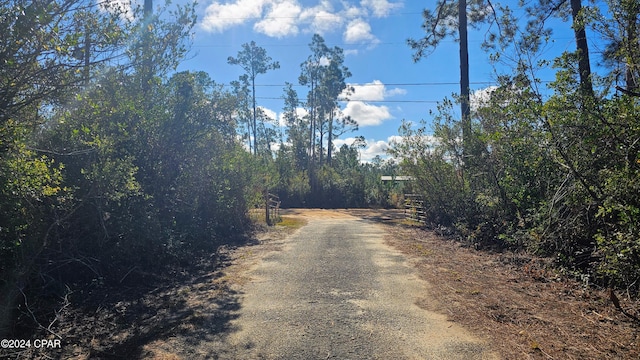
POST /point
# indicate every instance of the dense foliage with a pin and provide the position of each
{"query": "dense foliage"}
(113, 165)
(553, 169)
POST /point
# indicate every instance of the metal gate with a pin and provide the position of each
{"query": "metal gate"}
(414, 208)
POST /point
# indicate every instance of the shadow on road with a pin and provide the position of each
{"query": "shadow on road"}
(195, 311)
(159, 322)
(387, 216)
(149, 315)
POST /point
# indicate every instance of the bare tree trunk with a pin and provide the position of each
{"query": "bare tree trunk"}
(330, 138)
(87, 52)
(632, 44)
(312, 145)
(584, 66)
(148, 11)
(255, 124)
(312, 123)
(249, 134)
(464, 77)
(148, 7)
(320, 125)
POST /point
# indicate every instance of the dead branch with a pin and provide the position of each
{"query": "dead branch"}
(127, 274)
(616, 302)
(35, 319)
(627, 91)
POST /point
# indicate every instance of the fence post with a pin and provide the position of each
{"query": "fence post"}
(266, 207)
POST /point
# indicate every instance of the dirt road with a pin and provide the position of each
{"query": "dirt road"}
(335, 290)
(351, 284)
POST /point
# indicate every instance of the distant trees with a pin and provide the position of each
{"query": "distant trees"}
(254, 61)
(332, 87)
(301, 169)
(325, 74)
(296, 129)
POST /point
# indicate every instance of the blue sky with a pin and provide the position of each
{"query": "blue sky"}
(389, 86)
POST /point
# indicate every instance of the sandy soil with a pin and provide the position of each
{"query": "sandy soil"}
(336, 290)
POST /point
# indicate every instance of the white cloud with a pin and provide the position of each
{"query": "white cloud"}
(395, 139)
(430, 140)
(324, 61)
(275, 146)
(219, 17)
(270, 114)
(366, 114)
(349, 52)
(372, 149)
(380, 8)
(358, 31)
(322, 18)
(300, 112)
(481, 97)
(373, 91)
(281, 19)
(394, 92)
(353, 11)
(339, 142)
(123, 8)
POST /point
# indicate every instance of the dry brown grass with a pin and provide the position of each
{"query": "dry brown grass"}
(525, 310)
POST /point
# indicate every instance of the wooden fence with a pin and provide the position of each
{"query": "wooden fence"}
(272, 208)
(414, 208)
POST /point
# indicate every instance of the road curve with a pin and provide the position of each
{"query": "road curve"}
(336, 291)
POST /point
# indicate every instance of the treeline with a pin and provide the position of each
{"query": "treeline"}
(298, 150)
(112, 164)
(554, 170)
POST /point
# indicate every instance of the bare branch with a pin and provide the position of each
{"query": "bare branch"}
(626, 91)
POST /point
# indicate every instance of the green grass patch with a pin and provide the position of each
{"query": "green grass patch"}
(291, 223)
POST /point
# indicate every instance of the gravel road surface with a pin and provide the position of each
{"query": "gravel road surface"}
(336, 291)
